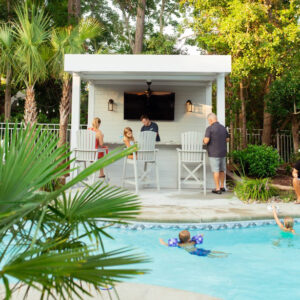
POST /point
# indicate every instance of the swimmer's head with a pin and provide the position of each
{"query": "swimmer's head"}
(184, 236)
(288, 222)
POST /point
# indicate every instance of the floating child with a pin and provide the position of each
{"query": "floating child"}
(185, 242)
(288, 222)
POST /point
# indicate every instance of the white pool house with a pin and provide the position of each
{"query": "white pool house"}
(109, 76)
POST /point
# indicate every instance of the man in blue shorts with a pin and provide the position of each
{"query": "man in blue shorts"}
(216, 138)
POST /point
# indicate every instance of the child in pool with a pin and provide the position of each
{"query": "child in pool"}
(187, 244)
(288, 222)
(128, 139)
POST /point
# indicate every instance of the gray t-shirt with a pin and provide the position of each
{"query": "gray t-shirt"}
(217, 135)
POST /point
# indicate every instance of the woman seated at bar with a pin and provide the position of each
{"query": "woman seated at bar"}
(99, 141)
(128, 139)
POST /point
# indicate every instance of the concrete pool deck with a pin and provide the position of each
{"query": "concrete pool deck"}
(125, 291)
(191, 206)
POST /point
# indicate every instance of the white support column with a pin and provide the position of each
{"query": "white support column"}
(208, 102)
(91, 103)
(221, 98)
(75, 124)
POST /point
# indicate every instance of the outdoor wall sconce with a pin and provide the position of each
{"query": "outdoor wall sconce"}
(189, 106)
(110, 105)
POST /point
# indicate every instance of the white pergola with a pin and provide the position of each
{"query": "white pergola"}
(200, 69)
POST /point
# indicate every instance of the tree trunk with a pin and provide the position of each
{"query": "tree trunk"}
(161, 17)
(7, 105)
(295, 132)
(30, 111)
(77, 9)
(243, 116)
(8, 6)
(229, 97)
(140, 23)
(64, 111)
(74, 10)
(267, 122)
(127, 26)
(231, 126)
(236, 143)
(70, 10)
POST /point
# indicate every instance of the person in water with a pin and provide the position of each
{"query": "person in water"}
(288, 222)
(190, 246)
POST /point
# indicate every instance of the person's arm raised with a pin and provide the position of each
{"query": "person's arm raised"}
(276, 218)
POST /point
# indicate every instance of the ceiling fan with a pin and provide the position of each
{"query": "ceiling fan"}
(149, 92)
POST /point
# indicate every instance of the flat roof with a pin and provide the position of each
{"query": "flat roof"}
(140, 66)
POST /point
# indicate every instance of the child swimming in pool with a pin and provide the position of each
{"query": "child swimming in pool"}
(288, 222)
(187, 244)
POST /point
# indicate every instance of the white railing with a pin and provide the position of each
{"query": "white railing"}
(54, 128)
(282, 140)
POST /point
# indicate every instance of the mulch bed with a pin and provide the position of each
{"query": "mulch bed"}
(282, 180)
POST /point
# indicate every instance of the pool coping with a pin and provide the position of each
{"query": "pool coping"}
(137, 225)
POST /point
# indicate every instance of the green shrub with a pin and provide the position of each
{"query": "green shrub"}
(295, 157)
(257, 161)
(250, 190)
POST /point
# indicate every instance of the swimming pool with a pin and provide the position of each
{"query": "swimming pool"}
(263, 263)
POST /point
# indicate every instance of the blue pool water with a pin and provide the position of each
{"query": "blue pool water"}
(263, 262)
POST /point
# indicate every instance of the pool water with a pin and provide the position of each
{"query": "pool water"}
(263, 263)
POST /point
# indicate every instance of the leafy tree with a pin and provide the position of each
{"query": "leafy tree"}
(284, 102)
(58, 12)
(70, 40)
(51, 239)
(119, 22)
(261, 36)
(32, 32)
(161, 44)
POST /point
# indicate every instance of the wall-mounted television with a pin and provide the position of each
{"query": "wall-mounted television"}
(158, 106)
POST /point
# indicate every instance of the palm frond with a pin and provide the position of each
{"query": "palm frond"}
(58, 272)
(32, 31)
(72, 40)
(43, 234)
(6, 47)
(100, 201)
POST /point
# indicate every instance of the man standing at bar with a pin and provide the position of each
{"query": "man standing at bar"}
(216, 137)
(149, 126)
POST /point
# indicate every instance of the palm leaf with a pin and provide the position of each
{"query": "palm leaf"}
(32, 32)
(44, 233)
(58, 272)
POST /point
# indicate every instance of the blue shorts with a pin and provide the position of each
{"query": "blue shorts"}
(201, 252)
(217, 164)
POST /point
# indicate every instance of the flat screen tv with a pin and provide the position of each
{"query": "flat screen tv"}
(156, 107)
